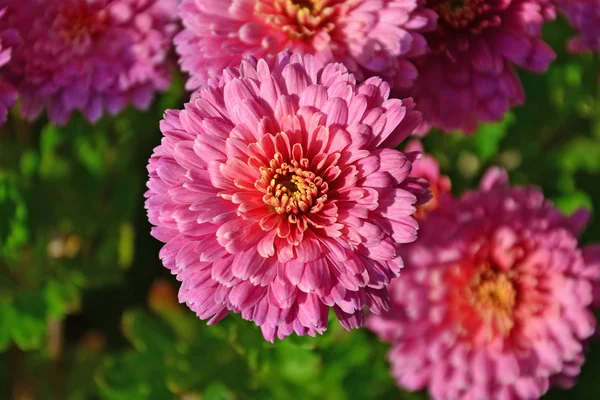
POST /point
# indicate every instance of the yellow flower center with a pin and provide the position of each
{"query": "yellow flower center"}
(299, 19)
(309, 5)
(494, 297)
(292, 189)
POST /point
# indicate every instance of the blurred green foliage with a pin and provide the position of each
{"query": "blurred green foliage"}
(88, 312)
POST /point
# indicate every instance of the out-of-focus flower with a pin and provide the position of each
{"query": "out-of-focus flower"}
(279, 195)
(92, 341)
(584, 16)
(93, 56)
(468, 77)
(8, 38)
(495, 299)
(163, 296)
(371, 37)
(427, 167)
(64, 247)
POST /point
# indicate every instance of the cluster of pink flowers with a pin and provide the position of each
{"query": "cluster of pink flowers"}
(94, 56)
(495, 299)
(279, 193)
(454, 57)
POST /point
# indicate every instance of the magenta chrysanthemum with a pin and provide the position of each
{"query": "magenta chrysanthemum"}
(279, 195)
(8, 38)
(584, 16)
(495, 298)
(89, 55)
(468, 77)
(371, 37)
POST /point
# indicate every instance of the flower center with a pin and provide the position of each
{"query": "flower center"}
(292, 188)
(76, 22)
(459, 14)
(299, 19)
(494, 297)
(458, 20)
(308, 4)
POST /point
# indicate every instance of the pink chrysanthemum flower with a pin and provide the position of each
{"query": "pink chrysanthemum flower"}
(8, 94)
(371, 37)
(279, 195)
(584, 16)
(428, 168)
(89, 55)
(468, 77)
(495, 298)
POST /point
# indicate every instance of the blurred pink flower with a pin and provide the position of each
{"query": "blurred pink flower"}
(371, 37)
(468, 77)
(427, 167)
(89, 55)
(279, 195)
(495, 299)
(8, 38)
(584, 16)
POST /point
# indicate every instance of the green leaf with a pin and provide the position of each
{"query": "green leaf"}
(218, 391)
(30, 161)
(92, 150)
(147, 333)
(60, 297)
(13, 223)
(486, 140)
(52, 165)
(29, 327)
(7, 319)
